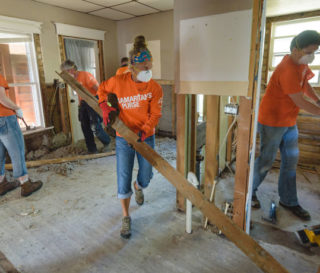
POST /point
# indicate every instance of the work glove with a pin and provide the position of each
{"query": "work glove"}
(106, 110)
(142, 136)
(19, 113)
(143, 133)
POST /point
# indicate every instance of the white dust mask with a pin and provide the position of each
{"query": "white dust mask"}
(144, 76)
(306, 59)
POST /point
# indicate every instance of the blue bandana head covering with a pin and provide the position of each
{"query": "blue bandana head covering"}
(144, 55)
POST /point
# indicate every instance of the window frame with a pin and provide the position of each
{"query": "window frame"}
(33, 66)
(273, 38)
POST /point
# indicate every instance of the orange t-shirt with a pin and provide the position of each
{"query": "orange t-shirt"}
(140, 103)
(122, 70)
(4, 111)
(277, 109)
(88, 81)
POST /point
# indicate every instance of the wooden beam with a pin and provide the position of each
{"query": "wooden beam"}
(193, 133)
(173, 110)
(181, 146)
(212, 143)
(248, 245)
(242, 163)
(6, 266)
(37, 163)
(246, 122)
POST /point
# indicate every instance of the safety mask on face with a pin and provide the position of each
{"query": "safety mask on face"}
(144, 76)
(306, 59)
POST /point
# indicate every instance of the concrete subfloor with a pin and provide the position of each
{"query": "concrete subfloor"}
(72, 225)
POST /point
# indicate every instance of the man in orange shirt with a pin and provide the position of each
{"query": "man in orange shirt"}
(278, 113)
(140, 103)
(124, 66)
(89, 119)
(11, 140)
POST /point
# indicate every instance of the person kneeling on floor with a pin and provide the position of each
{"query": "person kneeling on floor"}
(140, 103)
(11, 139)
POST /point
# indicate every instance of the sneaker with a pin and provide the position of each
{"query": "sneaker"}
(6, 186)
(297, 211)
(139, 196)
(30, 187)
(255, 203)
(125, 231)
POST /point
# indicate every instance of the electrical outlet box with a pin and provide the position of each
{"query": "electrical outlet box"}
(231, 109)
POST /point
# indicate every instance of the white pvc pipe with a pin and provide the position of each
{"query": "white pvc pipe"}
(194, 181)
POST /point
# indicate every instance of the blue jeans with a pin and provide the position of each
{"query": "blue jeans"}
(11, 139)
(125, 160)
(91, 125)
(271, 139)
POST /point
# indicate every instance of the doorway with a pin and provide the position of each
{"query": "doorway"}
(85, 54)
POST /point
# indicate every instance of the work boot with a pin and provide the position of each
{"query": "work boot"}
(139, 196)
(30, 187)
(125, 231)
(255, 203)
(6, 186)
(297, 211)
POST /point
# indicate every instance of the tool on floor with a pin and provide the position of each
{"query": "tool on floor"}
(27, 126)
(272, 216)
(309, 236)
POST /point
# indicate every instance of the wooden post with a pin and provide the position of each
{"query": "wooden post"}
(181, 145)
(242, 163)
(248, 245)
(245, 122)
(193, 133)
(212, 143)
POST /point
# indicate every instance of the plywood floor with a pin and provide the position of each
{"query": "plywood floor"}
(72, 226)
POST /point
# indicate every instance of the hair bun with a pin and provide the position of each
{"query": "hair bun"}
(139, 43)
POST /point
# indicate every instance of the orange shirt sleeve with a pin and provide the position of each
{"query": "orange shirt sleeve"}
(91, 82)
(155, 107)
(3, 82)
(105, 88)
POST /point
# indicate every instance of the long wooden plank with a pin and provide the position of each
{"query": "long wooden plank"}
(5, 265)
(37, 163)
(248, 245)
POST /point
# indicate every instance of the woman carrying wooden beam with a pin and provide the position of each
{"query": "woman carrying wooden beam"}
(140, 103)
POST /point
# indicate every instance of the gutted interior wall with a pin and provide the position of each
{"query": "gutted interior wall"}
(308, 124)
(186, 9)
(30, 10)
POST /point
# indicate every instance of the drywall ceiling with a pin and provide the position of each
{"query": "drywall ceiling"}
(113, 9)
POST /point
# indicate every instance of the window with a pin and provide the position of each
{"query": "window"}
(18, 66)
(281, 37)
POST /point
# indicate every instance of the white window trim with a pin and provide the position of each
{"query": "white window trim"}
(19, 25)
(79, 32)
(271, 54)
